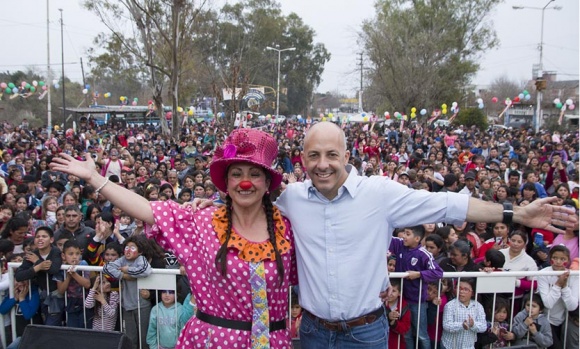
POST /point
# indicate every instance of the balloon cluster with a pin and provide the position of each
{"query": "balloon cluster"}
(86, 89)
(444, 109)
(569, 104)
(454, 108)
(25, 87)
(480, 104)
(523, 95)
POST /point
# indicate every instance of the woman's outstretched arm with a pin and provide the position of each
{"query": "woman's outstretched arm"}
(133, 204)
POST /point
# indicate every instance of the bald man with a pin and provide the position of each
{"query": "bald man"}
(343, 226)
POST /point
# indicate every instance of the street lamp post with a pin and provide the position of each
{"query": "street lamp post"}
(62, 66)
(277, 49)
(540, 74)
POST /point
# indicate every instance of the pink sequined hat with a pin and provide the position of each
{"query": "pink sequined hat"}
(245, 145)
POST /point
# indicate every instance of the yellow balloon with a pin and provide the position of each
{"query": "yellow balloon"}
(413, 115)
(190, 112)
(366, 118)
(413, 110)
(323, 118)
(405, 117)
(443, 106)
(179, 109)
(121, 98)
(330, 115)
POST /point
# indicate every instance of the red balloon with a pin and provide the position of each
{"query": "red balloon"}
(388, 116)
(516, 99)
(494, 99)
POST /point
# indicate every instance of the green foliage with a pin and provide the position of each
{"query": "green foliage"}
(471, 116)
(423, 53)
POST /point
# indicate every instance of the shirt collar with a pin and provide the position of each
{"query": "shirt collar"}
(349, 186)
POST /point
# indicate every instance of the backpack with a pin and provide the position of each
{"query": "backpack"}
(106, 167)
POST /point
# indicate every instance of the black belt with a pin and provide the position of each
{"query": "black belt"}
(236, 324)
(337, 326)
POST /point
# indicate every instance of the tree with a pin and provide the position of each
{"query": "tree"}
(424, 52)
(471, 116)
(160, 38)
(501, 88)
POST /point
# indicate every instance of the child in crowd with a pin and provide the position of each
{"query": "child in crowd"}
(63, 238)
(167, 320)
(559, 293)
(437, 299)
(126, 225)
(391, 263)
(436, 246)
(497, 326)
(295, 316)
(531, 325)
(42, 265)
(73, 283)
(398, 316)
(415, 260)
(185, 195)
(105, 304)
(463, 318)
(448, 234)
(27, 302)
(136, 309)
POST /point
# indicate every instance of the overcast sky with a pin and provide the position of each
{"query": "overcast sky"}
(336, 23)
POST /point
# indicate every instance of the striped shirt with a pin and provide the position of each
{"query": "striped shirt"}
(454, 314)
(105, 317)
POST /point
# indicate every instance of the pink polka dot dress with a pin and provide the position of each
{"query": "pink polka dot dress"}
(193, 239)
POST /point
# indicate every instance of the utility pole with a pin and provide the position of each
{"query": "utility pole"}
(84, 81)
(48, 82)
(62, 67)
(360, 92)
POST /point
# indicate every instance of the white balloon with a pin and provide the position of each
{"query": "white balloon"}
(299, 117)
(85, 91)
(557, 100)
(569, 101)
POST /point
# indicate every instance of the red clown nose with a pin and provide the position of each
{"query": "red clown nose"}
(245, 185)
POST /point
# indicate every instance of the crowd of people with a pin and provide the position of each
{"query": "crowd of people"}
(92, 197)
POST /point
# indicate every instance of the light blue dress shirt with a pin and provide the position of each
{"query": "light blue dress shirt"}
(341, 244)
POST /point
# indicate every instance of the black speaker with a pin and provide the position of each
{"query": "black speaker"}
(51, 337)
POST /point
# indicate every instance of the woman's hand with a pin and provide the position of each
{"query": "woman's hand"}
(67, 164)
(197, 204)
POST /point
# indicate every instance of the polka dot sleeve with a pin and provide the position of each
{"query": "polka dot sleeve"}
(174, 227)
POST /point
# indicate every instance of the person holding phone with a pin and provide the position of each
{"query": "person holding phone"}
(499, 241)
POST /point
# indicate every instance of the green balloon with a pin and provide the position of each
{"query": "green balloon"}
(28, 86)
(558, 105)
(32, 89)
(41, 83)
(8, 90)
(11, 85)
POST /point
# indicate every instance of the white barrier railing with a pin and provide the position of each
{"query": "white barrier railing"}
(165, 279)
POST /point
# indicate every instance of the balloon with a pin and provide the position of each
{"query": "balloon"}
(387, 114)
(41, 83)
(443, 106)
(85, 91)
(323, 118)
(494, 99)
(179, 109)
(34, 83)
(366, 118)
(107, 95)
(330, 115)
(135, 99)
(413, 110)
(11, 85)
(569, 101)
(3, 85)
(480, 106)
(168, 115)
(526, 92)
(423, 111)
(23, 83)
(88, 87)
(516, 99)
(44, 88)
(527, 97)
(190, 112)
(413, 115)
(454, 104)
(268, 117)
(133, 103)
(8, 90)
(321, 115)
(444, 111)
(32, 89)
(571, 107)
(363, 114)
(405, 117)
(299, 117)
(559, 105)
(521, 96)
(479, 101)
(15, 90)
(557, 100)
